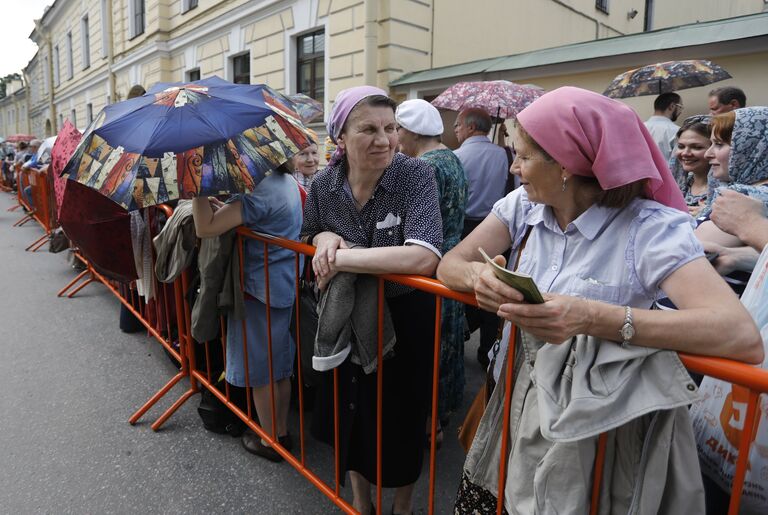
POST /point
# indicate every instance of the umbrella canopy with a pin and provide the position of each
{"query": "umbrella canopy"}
(500, 98)
(183, 140)
(101, 230)
(655, 79)
(44, 152)
(15, 138)
(307, 108)
(65, 145)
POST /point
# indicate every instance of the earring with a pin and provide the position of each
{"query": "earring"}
(565, 179)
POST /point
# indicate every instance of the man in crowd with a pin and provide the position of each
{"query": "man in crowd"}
(667, 108)
(486, 167)
(724, 100)
(30, 164)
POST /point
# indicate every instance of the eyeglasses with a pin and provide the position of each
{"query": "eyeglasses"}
(679, 106)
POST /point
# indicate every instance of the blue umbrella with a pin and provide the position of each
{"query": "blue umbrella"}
(181, 140)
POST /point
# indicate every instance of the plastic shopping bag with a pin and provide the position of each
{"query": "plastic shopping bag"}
(719, 417)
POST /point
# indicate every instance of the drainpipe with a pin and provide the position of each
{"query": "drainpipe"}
(371, 52)
(27, 95)
(110, 54)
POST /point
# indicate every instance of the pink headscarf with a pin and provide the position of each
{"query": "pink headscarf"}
(594, 136)
(345, 101)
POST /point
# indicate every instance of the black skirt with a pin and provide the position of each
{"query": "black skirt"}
(407, 394)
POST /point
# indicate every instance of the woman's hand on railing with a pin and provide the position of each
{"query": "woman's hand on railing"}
(326, 243)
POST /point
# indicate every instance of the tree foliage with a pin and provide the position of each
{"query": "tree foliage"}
(5, 80)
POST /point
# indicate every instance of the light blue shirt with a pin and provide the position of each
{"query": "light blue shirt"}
(273, 207)
(486, 167)
(616, 256)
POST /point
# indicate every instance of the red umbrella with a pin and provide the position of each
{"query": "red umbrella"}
(65, 146)
(101, 230)
(15, 138)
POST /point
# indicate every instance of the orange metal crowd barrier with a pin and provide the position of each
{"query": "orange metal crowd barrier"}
(755, 380)
(42, 208)
(162, 316)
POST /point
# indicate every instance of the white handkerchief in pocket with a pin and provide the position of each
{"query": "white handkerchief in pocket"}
(390, 221)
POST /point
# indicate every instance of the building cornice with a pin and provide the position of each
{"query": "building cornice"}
(85, 83)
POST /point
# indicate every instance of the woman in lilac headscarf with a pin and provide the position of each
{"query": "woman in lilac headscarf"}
(372, 211)
(606, 231)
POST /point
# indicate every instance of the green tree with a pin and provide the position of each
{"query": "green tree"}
(5, 80)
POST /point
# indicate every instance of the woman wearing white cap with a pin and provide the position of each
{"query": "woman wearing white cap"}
(419, 129)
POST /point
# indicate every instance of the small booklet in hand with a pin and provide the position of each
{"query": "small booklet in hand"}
(521, 282)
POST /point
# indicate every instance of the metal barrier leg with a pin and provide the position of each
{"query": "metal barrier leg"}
(72, 282)
(85, 283)
(156, 397)
(176, 405)
(24, 220)
(13, 208)
(38, 243)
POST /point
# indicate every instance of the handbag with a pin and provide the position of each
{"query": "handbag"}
(469, 426)
(58, 242)
(309, 296)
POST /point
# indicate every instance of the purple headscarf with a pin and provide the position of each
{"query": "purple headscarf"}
(345, 101)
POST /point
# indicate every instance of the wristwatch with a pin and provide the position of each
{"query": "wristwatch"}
(628, 329)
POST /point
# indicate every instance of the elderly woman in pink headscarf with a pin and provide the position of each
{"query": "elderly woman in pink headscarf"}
(375, 211)
(601, 227)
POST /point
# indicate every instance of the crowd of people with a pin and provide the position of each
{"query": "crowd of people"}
(611, 215)
(608, 215)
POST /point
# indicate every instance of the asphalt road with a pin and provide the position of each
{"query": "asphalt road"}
(69, 380)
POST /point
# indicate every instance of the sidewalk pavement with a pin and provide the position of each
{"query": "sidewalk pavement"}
(70, 380)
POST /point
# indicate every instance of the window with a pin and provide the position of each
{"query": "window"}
(56, 76)
(105, 30)
(70, 68)
(602, 5)
(86, 41)
(310, 65)
(61, 120)
(46, 71)
(73, 117)
(88, 113)
(648, 22)
(241, 69)
(186, 5)
(136, 15)
(193, 75)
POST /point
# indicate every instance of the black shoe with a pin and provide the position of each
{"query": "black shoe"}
(252, 443)
(482, 358)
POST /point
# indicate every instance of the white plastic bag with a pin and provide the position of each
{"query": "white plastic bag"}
(719, 417)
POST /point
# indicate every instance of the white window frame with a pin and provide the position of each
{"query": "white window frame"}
(104, 30)
(85, 41)
(70, 64)
(133, 30)
(187, 5)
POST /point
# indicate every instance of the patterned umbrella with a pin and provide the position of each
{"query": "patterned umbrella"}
(500, 98)
(63, 148)
(307, 107)
(15, 138)
(659, 78)
(182, 140)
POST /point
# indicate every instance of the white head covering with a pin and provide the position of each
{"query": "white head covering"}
(419, 117)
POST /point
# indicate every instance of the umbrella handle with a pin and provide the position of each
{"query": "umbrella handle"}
(496, 126)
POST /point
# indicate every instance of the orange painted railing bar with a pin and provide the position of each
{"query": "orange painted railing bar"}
(509, 386)
(269, 343)
(734, 372)
(379, 392)
(435, 390)
(745, 441)
(297, 309)
(597, 479)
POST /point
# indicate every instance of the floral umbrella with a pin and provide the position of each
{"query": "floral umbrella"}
(655, 79)
(183, 140)
(65, 145)
(15, 138)
(500, 98)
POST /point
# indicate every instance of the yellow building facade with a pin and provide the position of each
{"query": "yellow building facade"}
(90, 52)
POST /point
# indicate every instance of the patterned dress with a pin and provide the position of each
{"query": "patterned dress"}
(452, 189)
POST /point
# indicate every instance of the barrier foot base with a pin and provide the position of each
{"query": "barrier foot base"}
(24, 220)
(156, 397)
(170, 411)
(13, 208)
(85, 283)
(38, 244)
(72, 282)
